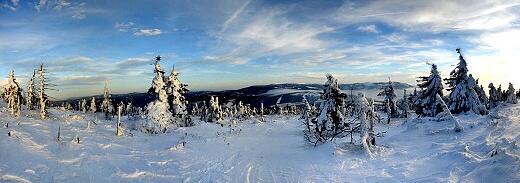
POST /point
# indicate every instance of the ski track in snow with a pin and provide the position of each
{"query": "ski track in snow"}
(274, 151)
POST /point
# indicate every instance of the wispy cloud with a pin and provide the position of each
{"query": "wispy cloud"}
(148, 32)
(433, 16)
(82, 80)
(234, 16)
(125, 27)
(369, 28)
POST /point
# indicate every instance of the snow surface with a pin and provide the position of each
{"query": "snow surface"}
(274, 151)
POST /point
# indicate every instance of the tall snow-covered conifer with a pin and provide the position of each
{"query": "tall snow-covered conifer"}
(12, 94)
(463, 97)
(43, 99)
(426, 103)
(159, 117)
(176, 101)
(31, 94)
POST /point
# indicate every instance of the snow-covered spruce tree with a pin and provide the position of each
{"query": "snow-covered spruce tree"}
(367, 118)
(31, 93)
(159, 118)
(215, 111)
(511, 97)
(482, 97)
(426, 103)
(404, 105)
(463, 97)
(494, 96)
(12, 94)
(176, 101)
(83, 105)
(93, 106)
(43, 99)
(329, 122)
(261, 112)
(500, 94)
(106, 103)
(389, 101)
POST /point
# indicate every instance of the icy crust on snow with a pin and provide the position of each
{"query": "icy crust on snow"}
(274, 151)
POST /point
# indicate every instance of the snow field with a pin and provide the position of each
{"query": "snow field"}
(412, 150)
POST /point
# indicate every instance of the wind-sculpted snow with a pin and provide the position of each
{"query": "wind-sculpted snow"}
(420, 150)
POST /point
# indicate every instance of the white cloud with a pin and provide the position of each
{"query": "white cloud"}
(441, 15)
(15, 2)
(148, 32)
(369, 28)
(124, 27)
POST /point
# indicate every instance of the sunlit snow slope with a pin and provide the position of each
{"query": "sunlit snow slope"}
(275, 151)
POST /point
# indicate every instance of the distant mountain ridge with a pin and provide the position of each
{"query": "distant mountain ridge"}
(254, 95)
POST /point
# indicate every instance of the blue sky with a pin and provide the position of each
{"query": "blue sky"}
(232, 44)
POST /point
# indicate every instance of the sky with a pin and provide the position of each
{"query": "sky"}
(230, 44)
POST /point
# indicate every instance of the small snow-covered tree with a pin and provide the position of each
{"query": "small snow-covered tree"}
(84, 105)
(367, 118)
(330, 120)
(159, 117)
(215, 111)
(93, 105)
(511, 97)
(12, 94)
(261, 112)
(106, 103)
(31, 93)
(500, 94)
(176, 101)
(463, 97)
(494, 96)
(119, 125)
(43, 99)
(426, 103)
(389, 101)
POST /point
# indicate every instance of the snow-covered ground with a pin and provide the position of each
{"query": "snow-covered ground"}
(274, 151)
